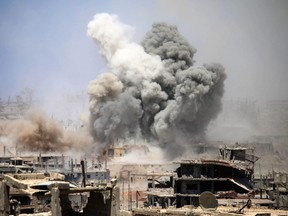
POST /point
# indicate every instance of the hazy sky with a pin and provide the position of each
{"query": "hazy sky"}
(44, 46)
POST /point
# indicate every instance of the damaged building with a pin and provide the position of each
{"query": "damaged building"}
(27, 193)
(102, 200)
(229, 177)
(275, 187)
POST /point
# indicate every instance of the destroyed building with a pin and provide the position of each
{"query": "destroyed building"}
(280, 190)
(36, 193)
(102, 200)
(228, 177)
(25, 192)
(161, 193)
(275, 187)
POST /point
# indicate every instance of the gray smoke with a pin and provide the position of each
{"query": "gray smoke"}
(154, 91)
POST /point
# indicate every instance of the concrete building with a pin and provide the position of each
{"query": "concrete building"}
(226, 178)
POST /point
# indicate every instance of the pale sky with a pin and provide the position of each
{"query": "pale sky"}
(44, 46)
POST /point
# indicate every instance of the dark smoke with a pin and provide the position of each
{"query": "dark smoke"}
(154, 91)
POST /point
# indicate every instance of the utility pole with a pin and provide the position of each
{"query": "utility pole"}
(129, 193)
(83, 174)
(123, 189)
(261, 183)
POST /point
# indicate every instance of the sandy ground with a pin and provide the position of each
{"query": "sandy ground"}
(38, 214)
(221, 210)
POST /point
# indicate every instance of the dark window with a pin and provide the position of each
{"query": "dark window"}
(192, 186)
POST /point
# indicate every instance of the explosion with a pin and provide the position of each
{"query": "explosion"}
(151, 91)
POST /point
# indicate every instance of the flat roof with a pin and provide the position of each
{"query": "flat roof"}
(237, 165)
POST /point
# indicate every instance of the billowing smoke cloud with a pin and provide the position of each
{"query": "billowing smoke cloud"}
(151, 91)
(37, 132)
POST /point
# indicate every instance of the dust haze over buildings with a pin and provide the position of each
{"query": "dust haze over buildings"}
(152, 92)
(52, 55)
(36, 132)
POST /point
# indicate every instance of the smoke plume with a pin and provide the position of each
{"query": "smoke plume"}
(151, 91)
(37, 132)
